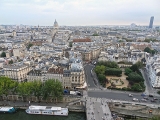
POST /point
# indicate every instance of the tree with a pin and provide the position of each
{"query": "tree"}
(100, 69)
(29, 45)
(136, 87)
(70, 44)
(6, 85)
(113, 71)
(135, 67)
(148, 50)
(37, 88)
(25, 89)
(135, 77)
(102, 79)
(52, 88)
(3, 54)
(128, 71)
(109, 64)
(11, 62)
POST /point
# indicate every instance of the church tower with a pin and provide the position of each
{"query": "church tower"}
(56, 25)
(55, 28)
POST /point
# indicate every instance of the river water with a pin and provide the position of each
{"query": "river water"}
(21, 115)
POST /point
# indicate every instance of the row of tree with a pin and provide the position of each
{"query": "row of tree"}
(109, 64)
(135, 78)
(104, 68)
(113, 71)
(108, 68)
(50, 88)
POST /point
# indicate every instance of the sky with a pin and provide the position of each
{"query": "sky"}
(79, 12)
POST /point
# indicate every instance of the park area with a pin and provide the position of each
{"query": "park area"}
(110, 75)
(118, 82)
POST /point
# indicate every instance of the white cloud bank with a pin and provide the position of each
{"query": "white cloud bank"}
(79, 12)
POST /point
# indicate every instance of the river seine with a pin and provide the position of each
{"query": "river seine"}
(21, 115)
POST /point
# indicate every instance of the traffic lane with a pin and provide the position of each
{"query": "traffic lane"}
(119, 96)
(89, 77)
(147, 80)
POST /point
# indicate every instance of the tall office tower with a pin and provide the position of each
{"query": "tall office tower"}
(151, 22)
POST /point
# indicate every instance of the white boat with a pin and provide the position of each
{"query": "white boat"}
(7, 110)
(47, 110)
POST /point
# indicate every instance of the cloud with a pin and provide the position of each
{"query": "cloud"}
(79, 12)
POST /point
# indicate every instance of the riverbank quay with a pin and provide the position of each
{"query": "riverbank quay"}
(21, 104)
(25, 105)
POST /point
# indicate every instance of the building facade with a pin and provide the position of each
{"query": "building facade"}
(16, 72)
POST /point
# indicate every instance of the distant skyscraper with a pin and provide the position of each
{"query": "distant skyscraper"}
(151, 22)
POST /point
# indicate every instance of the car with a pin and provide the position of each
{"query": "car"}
(135, 99)
(153, 100)
(144, 100)
(130, 95)
(150, 95)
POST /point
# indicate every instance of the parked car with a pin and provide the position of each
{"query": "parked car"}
(150, 95)
(130, 95)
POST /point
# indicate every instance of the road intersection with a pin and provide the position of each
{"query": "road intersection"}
(95, 90)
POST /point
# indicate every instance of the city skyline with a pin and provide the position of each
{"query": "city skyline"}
(79, 13)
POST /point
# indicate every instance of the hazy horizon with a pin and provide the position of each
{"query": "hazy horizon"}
(79, 12)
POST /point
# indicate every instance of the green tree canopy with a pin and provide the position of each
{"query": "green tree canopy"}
(113, 71)
(3, 54)
(6, 85)
(128, 71)
(135, 67)
(11, 62)
(148, 50)
(100, 69)
(70, 44)
(37, 88)
(135, 77)
(25, 88)
(137, 87)
(52, 88)
(110, 64)
(102, 79)
(29, 45)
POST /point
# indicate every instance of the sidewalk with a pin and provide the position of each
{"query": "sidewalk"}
(22, 104)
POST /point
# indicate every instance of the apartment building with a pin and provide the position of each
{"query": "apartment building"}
(153, 68)
(16, 72)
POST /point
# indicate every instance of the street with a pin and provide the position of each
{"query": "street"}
(109, 94)
(89, 78)
(94, 91)
(149, 88)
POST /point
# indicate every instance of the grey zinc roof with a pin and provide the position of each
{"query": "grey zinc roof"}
(76, 67)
